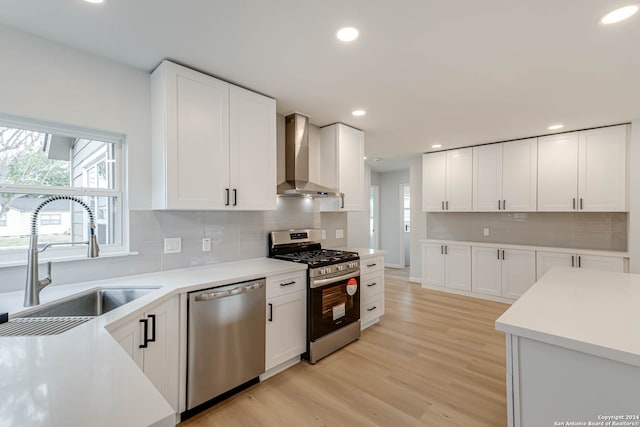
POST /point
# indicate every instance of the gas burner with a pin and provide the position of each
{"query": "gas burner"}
(319, 257)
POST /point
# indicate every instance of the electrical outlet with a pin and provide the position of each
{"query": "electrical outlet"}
(206, 244)
(485, 231)
(339, 233)
(324, 234)
(172, 245)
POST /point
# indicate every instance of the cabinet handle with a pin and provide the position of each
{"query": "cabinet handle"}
(446, 250)
(270, 312)
(226, 197)
(446, 204)
(372, 308)
(579, 261)
(293, 282)
(504, 205)
(503, 254)
(581, 207)
(235, 197)
(574, 203)
(372, 265)
(371, 284)
(498, 250)
(573, 261)
(441, 249)
(153, 327)
(145, 338)
(499, 205)
(443, 205)
(341, 202)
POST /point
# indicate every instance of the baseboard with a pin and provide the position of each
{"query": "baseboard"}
(281, 367)
(393, 265)
(469, 294)
(415, 280)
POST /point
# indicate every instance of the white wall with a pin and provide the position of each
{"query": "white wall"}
(418, 218)
(391, 234)
(46, 81)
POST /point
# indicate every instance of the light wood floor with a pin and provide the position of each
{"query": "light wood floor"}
(434, 360)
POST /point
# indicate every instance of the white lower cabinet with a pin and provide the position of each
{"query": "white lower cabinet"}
(447, 265)
(548, 260)
(502, 272)
(286, 323)
(152, 341)
(371, 290)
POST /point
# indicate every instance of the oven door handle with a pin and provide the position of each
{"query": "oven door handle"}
(316, 283)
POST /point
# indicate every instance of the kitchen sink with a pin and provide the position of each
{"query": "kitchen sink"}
(95, 303)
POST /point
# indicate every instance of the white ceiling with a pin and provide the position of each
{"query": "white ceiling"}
(457, 73)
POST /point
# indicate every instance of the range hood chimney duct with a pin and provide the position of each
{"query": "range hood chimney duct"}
(297, 161)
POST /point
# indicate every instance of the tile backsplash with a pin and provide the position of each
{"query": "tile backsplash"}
(580, 230)
(234, 235)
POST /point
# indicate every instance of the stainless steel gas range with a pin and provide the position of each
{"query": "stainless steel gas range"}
(333, 295)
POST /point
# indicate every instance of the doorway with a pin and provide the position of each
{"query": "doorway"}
(405, 218)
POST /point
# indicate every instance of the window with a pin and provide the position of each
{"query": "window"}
(3, 219)
(40, 161)
(407, 208)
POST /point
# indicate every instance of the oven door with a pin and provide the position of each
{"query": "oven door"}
(333, 303)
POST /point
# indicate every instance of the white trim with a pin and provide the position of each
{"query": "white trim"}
(55, 190)
(386, 264)
(401, 215)
(66, 258)
(417, 280)
(468, 293)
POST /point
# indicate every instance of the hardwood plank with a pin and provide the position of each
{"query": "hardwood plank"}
(435, 359)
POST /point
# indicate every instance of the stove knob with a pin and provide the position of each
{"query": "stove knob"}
(340, 267)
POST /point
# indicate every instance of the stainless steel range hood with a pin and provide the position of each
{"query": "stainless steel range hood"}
(297, 161)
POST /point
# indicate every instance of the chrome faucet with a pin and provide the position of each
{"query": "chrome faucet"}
(34, 284)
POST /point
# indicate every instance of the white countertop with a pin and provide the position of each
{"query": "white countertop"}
(530, 247)
(364, 252)
(83, 377)
(594, 312)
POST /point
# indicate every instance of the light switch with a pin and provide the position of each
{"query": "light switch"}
(324, 234)
(206, 244)
(485, 231)
(172, 245)
(339, 233)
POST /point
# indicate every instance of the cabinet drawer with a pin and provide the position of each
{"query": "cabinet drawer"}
(372, 308)
(284, 284)
(372, 284)
(370, 265)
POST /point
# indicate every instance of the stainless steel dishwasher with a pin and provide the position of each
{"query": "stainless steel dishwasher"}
(226, 339)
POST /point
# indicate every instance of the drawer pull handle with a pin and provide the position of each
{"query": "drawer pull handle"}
(371, 284)
(372, 308)
(293, 282)
(371, 265)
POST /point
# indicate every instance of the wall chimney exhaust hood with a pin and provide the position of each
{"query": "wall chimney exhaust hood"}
(297, 161)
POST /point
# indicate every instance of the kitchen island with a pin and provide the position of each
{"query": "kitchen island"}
(573, 350)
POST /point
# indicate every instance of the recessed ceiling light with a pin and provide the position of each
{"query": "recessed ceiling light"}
(358, 113)
(347, 34)
(436, 146)
(364, 158)
(555, 127)
(619, 14)
(96, 1)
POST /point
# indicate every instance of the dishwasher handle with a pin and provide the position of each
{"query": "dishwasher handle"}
(209, 296)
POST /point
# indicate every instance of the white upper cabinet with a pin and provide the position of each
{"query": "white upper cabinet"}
(583, 171)
(213, 144)
(504, 176)
(343, 146)
(602, 169)
(447, 181)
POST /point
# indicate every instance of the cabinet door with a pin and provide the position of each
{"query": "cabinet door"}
(433, 264)
(518, 272)
(487, 177)
(458, 267)
(547, 260)
(161, 357)
(253, 150)
(520, 175)
(602, 169)
(128, 336)
(433, 181)
(286, 328)
(605, 263)
(459, 180)
(558, 172)
(351, 167)
(197, 139)
(486, 272)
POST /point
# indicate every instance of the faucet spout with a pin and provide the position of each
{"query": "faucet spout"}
(34, 283)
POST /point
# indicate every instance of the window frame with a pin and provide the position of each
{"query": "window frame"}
(17, 256)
